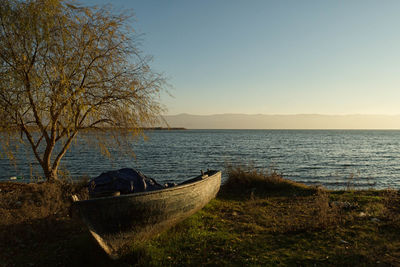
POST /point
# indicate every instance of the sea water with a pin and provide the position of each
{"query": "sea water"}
(332, 158)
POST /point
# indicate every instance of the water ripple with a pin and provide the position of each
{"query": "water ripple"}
(330, 158)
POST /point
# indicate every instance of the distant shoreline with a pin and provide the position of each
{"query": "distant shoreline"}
(162, 128)
(32, 128)
(289, 122)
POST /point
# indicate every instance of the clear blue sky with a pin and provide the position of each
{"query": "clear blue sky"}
(273, 57)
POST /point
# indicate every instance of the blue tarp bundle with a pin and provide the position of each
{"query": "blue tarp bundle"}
(125, 181)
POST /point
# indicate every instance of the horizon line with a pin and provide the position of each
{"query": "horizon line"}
(292, 129)
(282, 114)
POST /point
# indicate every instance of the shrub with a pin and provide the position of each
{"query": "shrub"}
(245, 179)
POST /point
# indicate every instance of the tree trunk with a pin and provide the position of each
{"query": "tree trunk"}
(50, 172)
(52, 176)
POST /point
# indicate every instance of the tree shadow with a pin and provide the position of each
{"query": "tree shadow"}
(49, 242)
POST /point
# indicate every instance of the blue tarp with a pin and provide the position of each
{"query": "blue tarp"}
(125, 181)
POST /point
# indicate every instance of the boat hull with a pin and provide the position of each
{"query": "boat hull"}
(118, 222)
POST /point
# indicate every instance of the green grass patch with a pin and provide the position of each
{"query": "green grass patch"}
(258, 219)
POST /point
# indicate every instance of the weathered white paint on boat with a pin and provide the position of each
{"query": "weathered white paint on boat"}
(119, 221)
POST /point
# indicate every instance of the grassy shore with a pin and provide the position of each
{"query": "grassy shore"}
(258, 218)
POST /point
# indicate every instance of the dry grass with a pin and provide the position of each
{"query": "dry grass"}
(258, 219)
(20, 202)
(261, 219)
(245, 179)
(35, 215)
(391, 207)
(279, 204)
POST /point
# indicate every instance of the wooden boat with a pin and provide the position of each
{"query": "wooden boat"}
(117, 222)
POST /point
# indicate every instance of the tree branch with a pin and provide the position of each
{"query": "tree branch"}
(32, 142)
(63, 150)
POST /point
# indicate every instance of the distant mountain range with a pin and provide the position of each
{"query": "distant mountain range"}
(300, 121)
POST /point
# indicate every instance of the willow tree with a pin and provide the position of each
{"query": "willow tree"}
(65, 68)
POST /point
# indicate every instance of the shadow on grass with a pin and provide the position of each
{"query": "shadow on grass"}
(258, 218)
(49, 242)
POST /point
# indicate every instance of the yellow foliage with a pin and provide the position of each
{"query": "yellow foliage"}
(76, 69)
